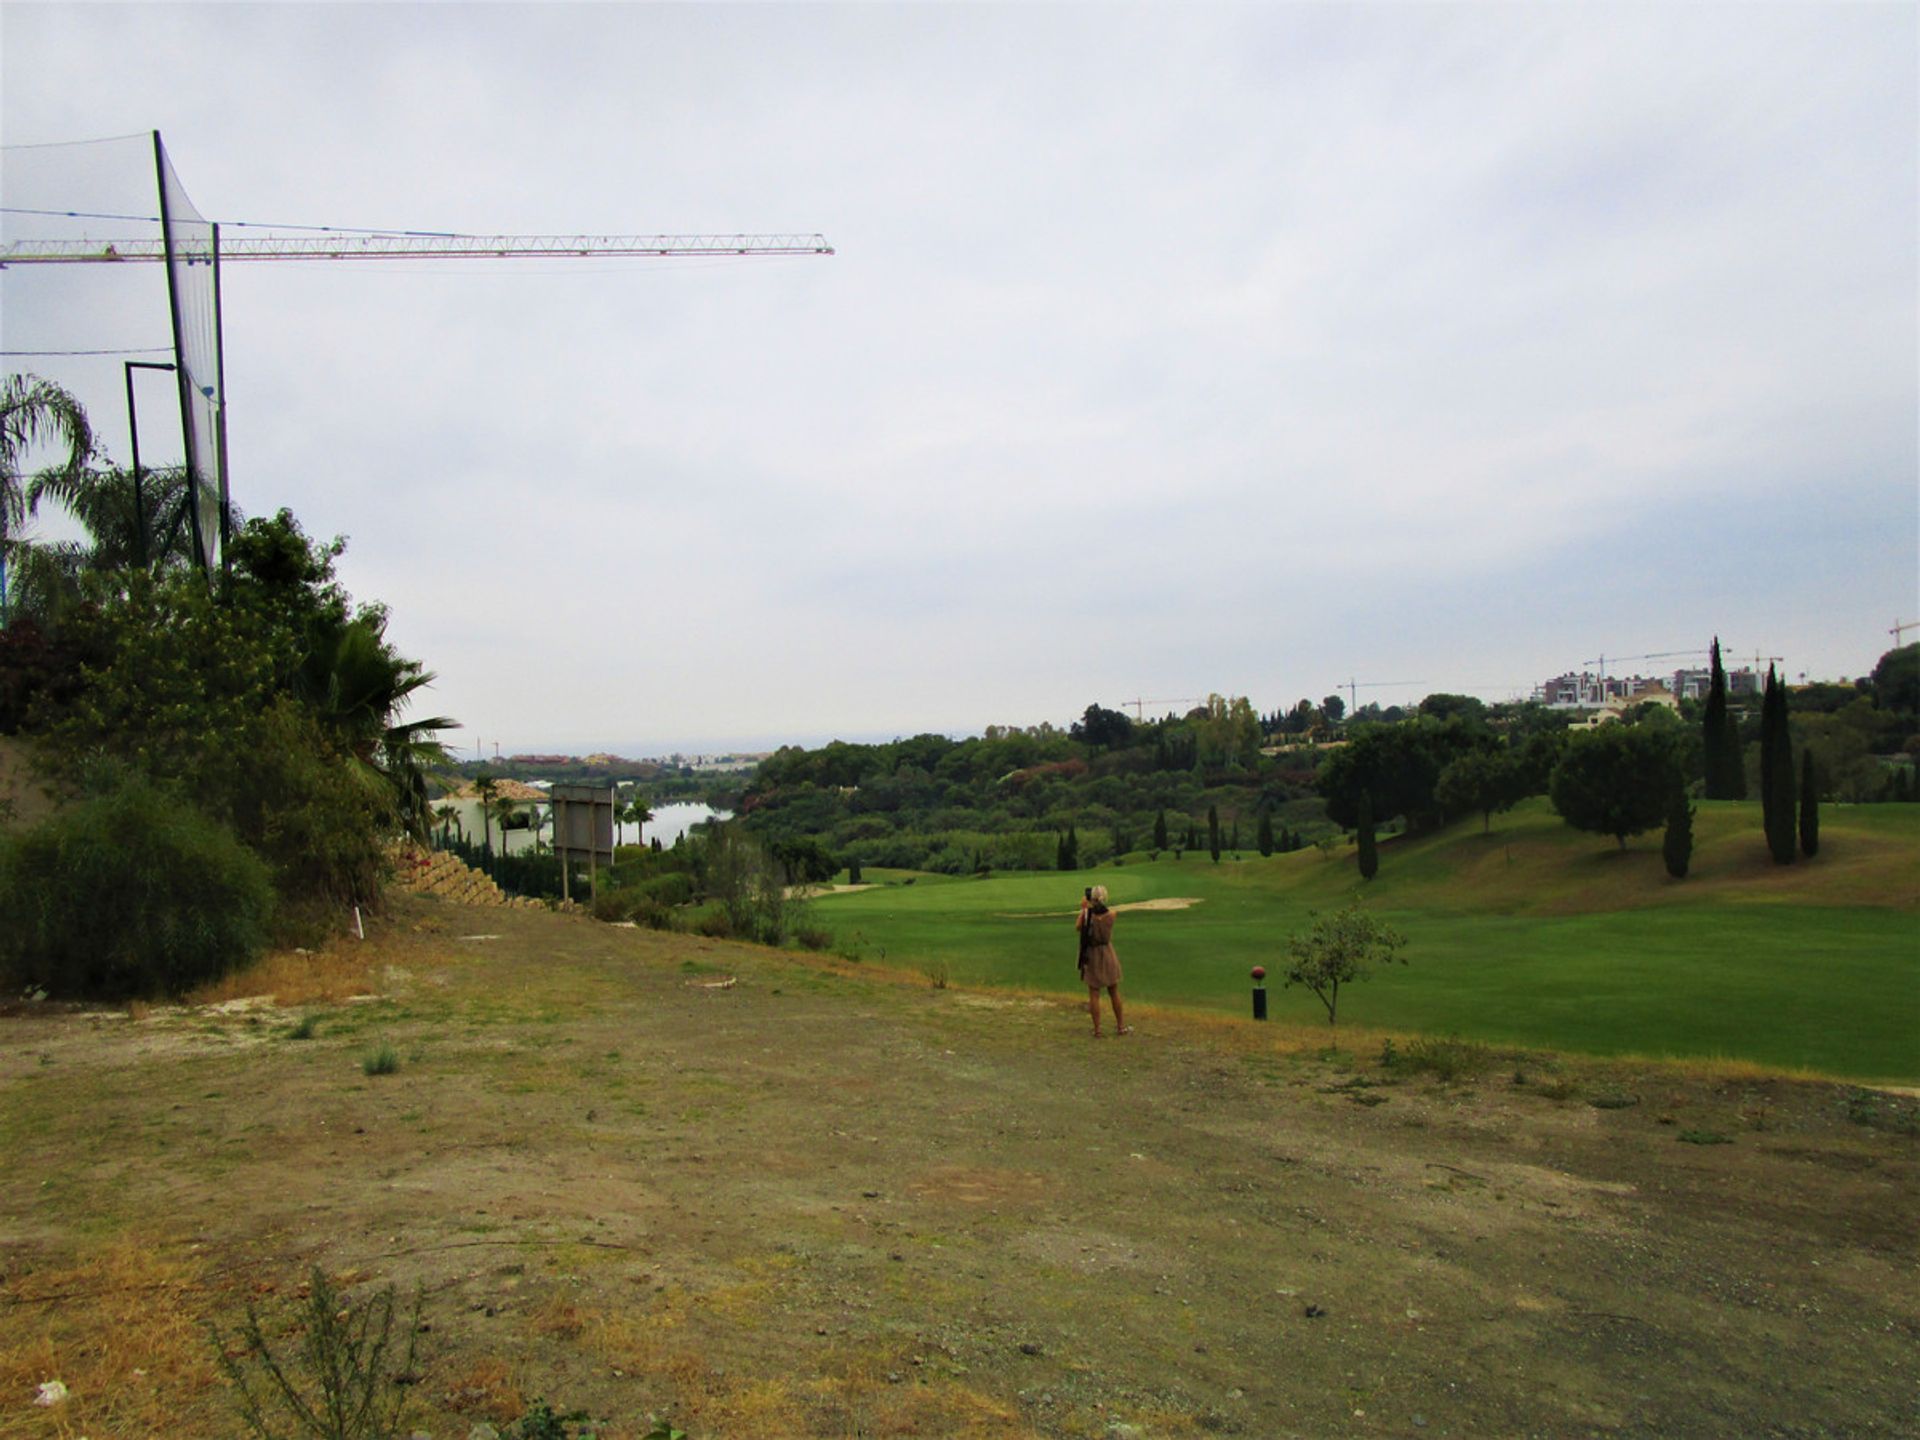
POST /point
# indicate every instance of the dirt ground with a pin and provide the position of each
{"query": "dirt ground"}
(825, 1201)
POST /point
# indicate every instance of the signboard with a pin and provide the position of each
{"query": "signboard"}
(582, 829)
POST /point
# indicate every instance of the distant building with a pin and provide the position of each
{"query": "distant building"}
(1588, 691)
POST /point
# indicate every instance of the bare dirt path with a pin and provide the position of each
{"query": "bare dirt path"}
(826, 1202)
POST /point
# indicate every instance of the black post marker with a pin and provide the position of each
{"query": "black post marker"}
(1259, 992)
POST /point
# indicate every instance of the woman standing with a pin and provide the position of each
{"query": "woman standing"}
(1099, 966)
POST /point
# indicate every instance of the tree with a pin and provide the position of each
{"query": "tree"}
(1809, 807)
(1720, 739)
(487, 786)
(1483, 780)
(1160, 830)
(1213, 832)
(638, 813)
(1614, 781)
(1339, 949)
(1103, 729)
(1676, 847)
(1896, 680)
(1398, 765)
(1264, 838)
(33, 411)
(1776, 772)
(853, 868)
(1367, 849)
(1068, 856)
(1334, 708)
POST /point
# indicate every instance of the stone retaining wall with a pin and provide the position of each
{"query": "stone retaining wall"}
(437, 872)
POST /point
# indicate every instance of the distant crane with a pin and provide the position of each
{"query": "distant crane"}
(1138, 705)
(1353, 688)
(1900, 629)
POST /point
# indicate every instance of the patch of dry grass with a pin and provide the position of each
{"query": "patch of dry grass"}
(123, 1327)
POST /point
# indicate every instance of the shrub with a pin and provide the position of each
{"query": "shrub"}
(383, 1060)
(1449, 1059)
(713, 922)
(347, 1379)
(130, 892)
(813, 937)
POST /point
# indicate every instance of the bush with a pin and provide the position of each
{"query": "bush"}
(130, 892)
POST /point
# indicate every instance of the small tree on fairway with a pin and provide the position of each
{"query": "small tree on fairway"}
(853, 869)
(1676, 848)
(1264, 838)
(1366, 847)
(1213, 832)
(1339, 949)
(1809, 806)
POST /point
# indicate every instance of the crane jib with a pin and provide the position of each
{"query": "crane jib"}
(420, 247)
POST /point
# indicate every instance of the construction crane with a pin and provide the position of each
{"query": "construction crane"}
(1138, 705)
(417, 247)
(1354, 687)
(1900, 629)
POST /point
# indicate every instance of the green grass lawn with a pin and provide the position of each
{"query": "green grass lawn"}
(1534, 934)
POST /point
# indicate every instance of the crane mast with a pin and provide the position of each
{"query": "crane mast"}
(418, 247)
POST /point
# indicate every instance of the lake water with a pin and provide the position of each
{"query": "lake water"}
(670, 822)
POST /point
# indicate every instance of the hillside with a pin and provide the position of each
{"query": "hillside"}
(1534, 934)
(824, 1200)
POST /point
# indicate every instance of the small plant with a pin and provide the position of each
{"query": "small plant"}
(1389, 1056)
(306, 1028)
(936, 973)
(347, 1379)
(541, 1423)
(384, 1060)
(1704, 1137)
(1615, 1101)
(1558, 1088)
(813, 937)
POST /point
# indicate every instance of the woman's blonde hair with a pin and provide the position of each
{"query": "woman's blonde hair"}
(1100, 894)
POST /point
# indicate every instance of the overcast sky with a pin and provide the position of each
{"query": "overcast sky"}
(1167, 350)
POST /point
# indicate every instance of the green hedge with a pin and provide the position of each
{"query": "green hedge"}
(130, 892)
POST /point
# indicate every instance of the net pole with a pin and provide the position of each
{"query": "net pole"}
(220, 410)
(185, 380)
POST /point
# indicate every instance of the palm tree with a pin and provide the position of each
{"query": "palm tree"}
(357, 685)
(487, 788)
(33, 410)
(504, 809)
(449, 818)
(638, 813)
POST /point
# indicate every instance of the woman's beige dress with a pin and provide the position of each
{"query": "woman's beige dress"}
(1103, 966)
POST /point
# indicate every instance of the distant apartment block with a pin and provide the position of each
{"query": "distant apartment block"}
(1588, 691)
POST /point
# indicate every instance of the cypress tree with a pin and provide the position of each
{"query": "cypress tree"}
(1776, 772)
(1264, 837)
(1363, 826)
(1233, 841)
(1717, 734)
(853, 870)
(1160, 831)
(1677, 847)
(1809, 807)
(1213, 832)
(1193, 832)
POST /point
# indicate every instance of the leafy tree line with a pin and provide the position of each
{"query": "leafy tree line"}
(1038, 797)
